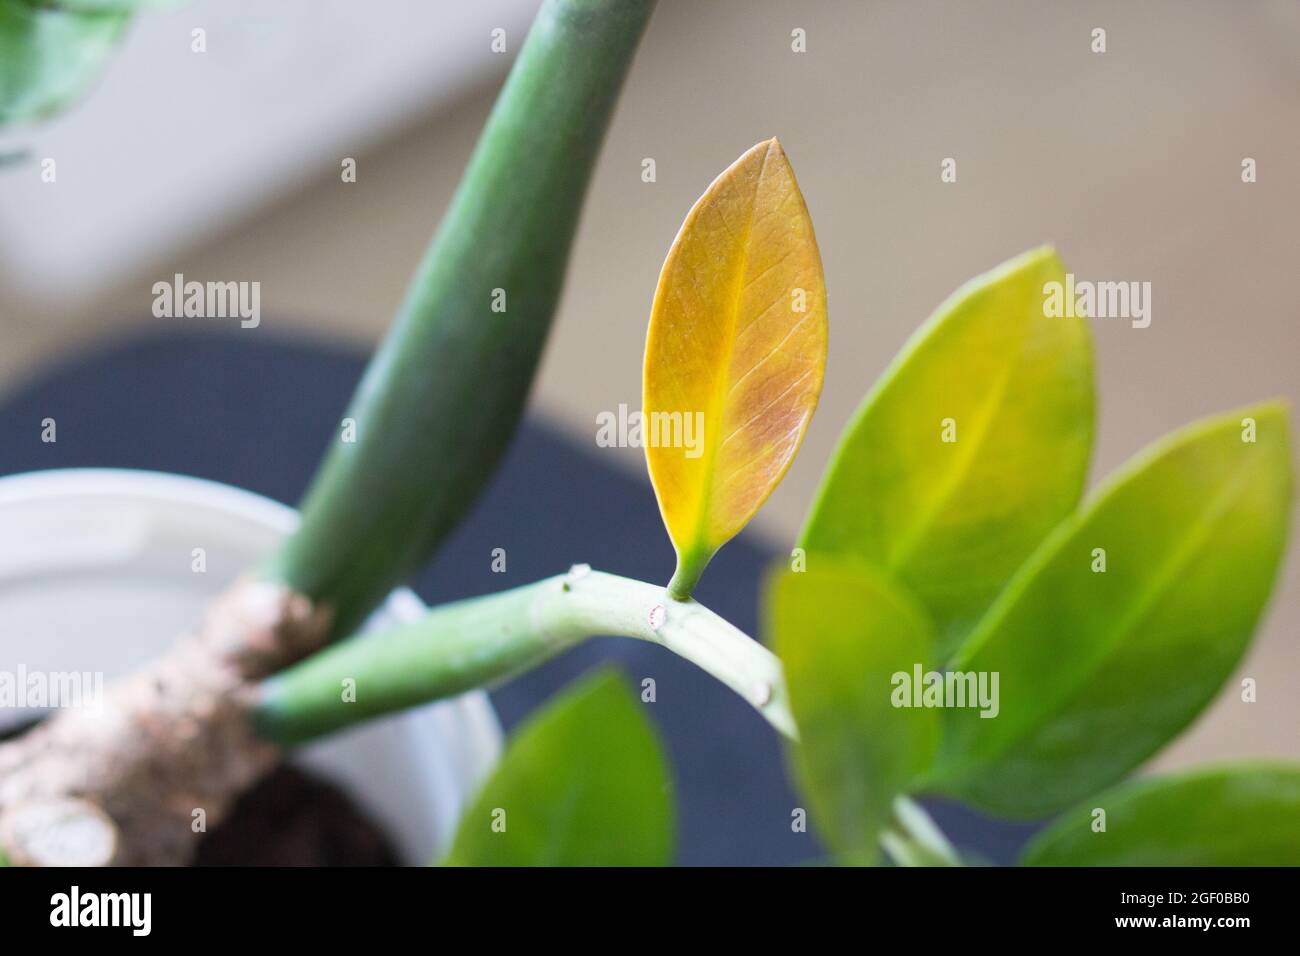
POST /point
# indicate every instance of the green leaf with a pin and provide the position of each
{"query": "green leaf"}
(1246, 815)
(1099, 669)
(48, 57)
(953, 519)
(843, 632)
(582, 783)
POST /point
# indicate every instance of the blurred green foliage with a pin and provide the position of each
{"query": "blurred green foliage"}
(50, 54)
(583, 783)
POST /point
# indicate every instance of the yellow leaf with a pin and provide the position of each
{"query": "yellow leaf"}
(734, 356)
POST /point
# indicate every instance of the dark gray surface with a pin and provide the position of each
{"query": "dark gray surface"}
(256, 412)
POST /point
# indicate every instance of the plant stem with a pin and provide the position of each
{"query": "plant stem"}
(443, 394)
(915, 840)
(689, 570)
(472, 643)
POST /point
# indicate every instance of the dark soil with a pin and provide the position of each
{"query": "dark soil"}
(294, 819)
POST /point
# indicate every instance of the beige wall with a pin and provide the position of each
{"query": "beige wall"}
(1128, 161)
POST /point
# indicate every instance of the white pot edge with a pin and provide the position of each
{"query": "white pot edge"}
(452, 745)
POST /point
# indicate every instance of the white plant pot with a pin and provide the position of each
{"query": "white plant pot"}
(96, 574)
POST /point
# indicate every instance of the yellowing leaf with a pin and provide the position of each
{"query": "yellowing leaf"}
(734, 356)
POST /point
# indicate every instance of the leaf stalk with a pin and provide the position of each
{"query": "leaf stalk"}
(485, 640)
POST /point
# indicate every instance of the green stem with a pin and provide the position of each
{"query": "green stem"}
(445, 391)
(689, 570)
(914, 839)
(477, 642)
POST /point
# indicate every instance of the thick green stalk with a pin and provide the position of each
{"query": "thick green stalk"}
(477, 642)
(443, 394)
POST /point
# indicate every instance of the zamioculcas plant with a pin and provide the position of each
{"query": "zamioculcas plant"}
(957, 619)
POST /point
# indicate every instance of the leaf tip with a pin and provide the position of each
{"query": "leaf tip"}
(1044, 257)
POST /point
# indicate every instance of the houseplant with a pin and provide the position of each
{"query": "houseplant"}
(948, 539)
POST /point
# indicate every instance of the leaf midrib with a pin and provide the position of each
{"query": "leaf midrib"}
(721, 386)
(956, 476)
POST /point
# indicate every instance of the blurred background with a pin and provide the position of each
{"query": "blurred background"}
(226, 165)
